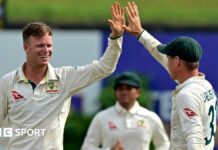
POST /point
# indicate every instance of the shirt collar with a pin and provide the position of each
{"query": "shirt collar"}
(122, 110)
(20, 75)
(50, 75)
(201, 76)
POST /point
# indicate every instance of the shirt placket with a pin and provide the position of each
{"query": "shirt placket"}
(129, 120)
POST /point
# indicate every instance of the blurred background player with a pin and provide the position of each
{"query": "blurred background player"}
(126, 125)
(193, 116)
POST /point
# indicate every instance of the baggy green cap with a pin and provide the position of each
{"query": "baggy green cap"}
(185, 48)
(128, 78)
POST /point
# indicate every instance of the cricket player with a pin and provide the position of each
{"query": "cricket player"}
(193, 116)
(126, 125)
(36, 96)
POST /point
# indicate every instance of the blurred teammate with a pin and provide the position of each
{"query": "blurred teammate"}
(37, 95)
(126, 125)
(193, 116)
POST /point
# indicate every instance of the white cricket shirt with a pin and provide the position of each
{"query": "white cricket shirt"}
(193, 116)
(47, 106)
(136, 128)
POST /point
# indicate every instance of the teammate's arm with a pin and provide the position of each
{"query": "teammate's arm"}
(160, 137)
(191, 122)
(95, 135)
(149, 42)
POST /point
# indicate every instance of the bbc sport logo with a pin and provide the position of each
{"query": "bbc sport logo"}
(9, 132)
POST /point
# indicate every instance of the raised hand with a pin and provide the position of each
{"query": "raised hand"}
(118, 20)
(134, 24)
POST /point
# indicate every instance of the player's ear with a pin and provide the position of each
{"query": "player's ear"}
(177, 60)
(25, 46)
(177, 57)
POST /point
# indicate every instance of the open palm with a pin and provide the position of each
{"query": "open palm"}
(134, 24)
(118, 20)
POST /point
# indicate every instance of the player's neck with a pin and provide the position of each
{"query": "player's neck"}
(34, 73)
(187, 75)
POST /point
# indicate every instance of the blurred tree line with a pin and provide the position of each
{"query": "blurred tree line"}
(77, 123)
(86, 14)
(2, 13)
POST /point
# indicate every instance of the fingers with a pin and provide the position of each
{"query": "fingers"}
(113, 11)
(111, 23)
(136, 11)
(117, 9)
(126, 28)
(132, 9)
(115, 6)
(122, 12)
(128, 13)
(117, 23)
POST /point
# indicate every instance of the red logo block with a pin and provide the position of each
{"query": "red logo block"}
(111, 125)
(16, 95)
(190, 113)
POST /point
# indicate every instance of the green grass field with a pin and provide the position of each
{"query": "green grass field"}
(167, 12)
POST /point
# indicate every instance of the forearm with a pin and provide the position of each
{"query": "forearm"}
(150, 43)
(109, 60)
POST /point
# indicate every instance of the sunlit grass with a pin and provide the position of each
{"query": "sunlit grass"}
(178, 12)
